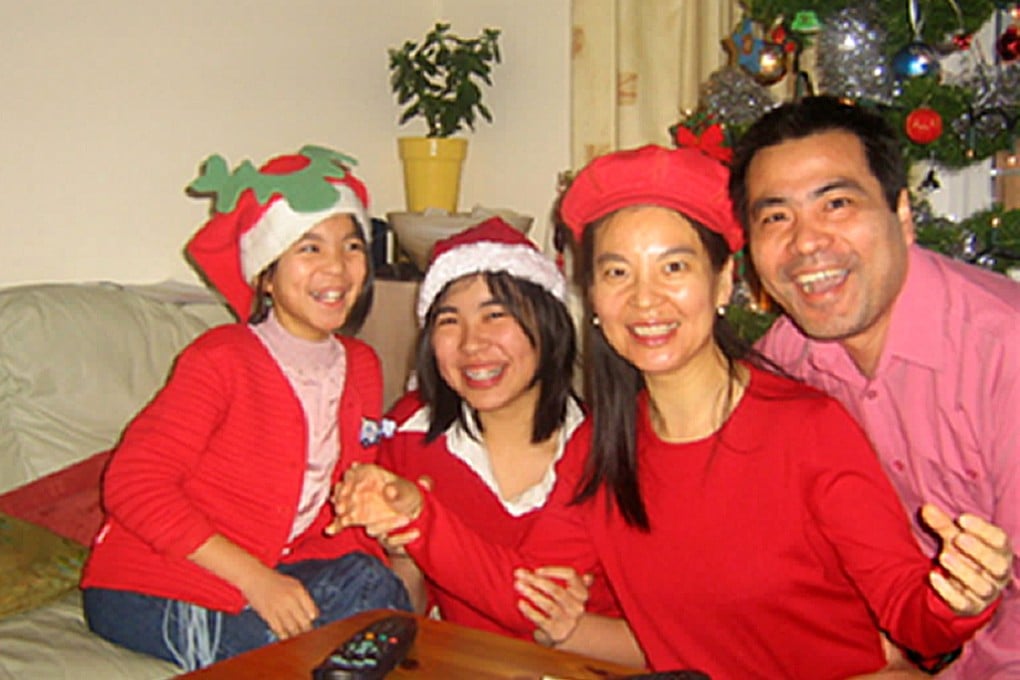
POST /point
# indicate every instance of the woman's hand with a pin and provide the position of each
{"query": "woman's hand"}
(555, 599)
(977, 557)
(375, 498)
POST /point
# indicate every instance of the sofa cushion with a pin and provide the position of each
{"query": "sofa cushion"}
(36, 565)
(77, 362)
(54, 642)
(66, 501)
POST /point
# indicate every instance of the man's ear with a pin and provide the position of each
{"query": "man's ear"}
(905, 216)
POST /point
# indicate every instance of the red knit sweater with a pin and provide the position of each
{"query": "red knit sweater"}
(222, 449)
(463, 493)
(778, 548)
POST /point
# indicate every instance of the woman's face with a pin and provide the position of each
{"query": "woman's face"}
(482, 352)
(654, 290)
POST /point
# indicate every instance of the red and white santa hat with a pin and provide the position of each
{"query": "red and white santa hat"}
(258, 214)
(491, 246)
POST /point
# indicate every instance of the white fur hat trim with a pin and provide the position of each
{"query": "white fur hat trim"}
(280, 226)
(521, 261)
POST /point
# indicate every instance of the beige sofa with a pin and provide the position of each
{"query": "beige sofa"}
(77, 361)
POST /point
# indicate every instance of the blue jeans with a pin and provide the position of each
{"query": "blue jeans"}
(192, 636)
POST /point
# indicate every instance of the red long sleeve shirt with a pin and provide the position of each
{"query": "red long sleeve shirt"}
(464, 493)
(777, 549)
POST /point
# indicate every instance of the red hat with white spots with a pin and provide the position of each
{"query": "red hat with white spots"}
(491, 246)
(685, 179)
(258, 214)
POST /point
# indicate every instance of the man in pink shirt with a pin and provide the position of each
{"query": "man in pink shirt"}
(924, 351)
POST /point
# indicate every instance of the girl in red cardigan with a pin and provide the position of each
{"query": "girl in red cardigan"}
(217, 496)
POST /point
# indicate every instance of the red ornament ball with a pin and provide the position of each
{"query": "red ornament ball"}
(923, 125)
(1008, 44)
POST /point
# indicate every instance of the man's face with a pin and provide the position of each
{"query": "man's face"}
(826, 245)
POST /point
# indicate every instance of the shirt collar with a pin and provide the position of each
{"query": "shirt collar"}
(308, 360)
(467, 446)
(919, 318)
(915, 329)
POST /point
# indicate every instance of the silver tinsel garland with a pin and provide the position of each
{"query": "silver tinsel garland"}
(732, 96)
(996, 95)
(850, 58)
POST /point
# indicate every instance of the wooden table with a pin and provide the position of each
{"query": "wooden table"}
(440, 650)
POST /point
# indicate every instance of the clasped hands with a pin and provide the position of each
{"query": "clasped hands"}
(376, 499)
(977, 557)
(383, 503)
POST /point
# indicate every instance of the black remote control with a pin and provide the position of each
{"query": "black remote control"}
(370, 653)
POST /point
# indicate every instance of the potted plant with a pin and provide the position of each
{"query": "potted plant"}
(439, 80)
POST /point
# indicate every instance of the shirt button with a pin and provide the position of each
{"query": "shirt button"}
(898, 465)
(870, 394)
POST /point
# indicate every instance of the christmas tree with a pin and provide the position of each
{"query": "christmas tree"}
(888, 55)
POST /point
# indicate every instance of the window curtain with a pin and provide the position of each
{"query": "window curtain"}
(637, 66)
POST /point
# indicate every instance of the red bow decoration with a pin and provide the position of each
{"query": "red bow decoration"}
(709, 142)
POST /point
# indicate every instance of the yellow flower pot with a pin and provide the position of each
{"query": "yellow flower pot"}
(432, 171)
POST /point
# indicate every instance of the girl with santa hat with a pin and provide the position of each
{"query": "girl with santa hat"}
(217, 495)
(493, 418)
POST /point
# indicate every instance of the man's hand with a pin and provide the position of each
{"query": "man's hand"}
(977, 557)
(555, 599)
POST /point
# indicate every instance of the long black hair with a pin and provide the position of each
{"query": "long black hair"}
(547, 325)
(613, 385)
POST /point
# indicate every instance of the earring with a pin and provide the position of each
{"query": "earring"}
(595, 321)
(720, 310)
(267, 300)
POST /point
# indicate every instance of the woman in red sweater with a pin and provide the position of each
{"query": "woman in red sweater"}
(217, 496)
(494, 414)
(741, 518)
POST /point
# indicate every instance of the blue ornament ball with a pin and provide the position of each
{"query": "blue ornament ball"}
(915, 60)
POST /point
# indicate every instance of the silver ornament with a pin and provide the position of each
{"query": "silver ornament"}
(733, 97)
(850, 58)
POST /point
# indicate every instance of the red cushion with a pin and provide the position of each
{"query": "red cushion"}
(66, 501)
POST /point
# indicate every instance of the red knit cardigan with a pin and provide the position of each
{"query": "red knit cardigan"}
(222, 449)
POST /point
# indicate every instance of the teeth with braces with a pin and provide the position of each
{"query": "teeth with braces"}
(483, 374)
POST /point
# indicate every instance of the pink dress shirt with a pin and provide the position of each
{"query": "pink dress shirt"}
(943, 412)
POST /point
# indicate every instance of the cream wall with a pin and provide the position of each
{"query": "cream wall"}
(108, 107)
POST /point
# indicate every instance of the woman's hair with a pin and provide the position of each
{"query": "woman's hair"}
(548, 327)
(359, 310)
(613, 384)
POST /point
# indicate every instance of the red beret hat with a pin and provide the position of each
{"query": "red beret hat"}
(684, 179)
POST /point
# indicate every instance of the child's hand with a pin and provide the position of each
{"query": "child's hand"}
(555, 602)
(977, 557)
(393, 544)
(377, 499)
(282, 602)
